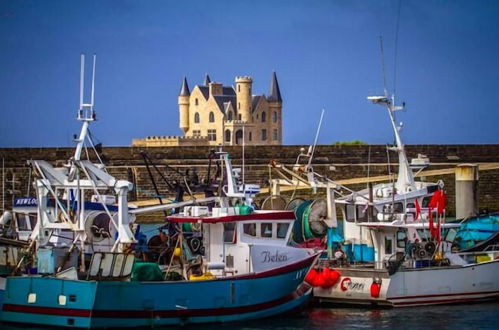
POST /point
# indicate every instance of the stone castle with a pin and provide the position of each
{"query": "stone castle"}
(213, 114)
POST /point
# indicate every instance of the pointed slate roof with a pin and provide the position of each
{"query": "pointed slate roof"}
(207, 80)
(184, 90)
(274, 92)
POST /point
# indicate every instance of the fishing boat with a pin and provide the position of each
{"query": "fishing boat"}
(392, 245)
(247, 270)
(401, 251)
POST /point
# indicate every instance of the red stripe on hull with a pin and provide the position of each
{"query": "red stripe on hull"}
(47, 310)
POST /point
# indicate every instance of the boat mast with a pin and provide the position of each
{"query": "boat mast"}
(405, 180)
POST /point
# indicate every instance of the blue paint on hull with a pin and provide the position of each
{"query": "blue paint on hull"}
(125, 304)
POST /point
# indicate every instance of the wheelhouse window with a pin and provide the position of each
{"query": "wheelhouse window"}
(282, 230)
(212, 135)
(388, 245)
(230, 233)
(266, 229)
(350, 212)
(22, 221)
(249, 229)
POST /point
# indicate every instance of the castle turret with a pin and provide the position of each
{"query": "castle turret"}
(183, 105)
(243, 94)
(207, 80)
(274, 92)
(275, 107)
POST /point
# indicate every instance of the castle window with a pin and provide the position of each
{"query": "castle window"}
(238, 88)
(264, 116)
(250, 136)
(196, 101)
(275, 134)
(238, 105)
(196, 118)
(274, 117)
(239, 116)
(230, 115)
(212, 135)
(212, 117)
(264, 134)
(227, 136)
(196, 133)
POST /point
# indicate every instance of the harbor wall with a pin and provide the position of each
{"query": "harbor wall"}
(336, 162)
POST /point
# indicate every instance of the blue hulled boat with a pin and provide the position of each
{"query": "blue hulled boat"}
(238, 266)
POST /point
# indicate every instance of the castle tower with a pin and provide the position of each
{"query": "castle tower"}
(183, 105)
(243, 95)
(275, 106)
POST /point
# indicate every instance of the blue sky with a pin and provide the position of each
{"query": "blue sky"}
(326, 55)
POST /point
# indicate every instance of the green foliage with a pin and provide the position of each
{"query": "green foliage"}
(350, 143)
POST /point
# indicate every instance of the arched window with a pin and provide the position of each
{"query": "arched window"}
(264, 117)
(274, 117)
(196, 118)
(230, 115)
(227, 135)
(212, 117)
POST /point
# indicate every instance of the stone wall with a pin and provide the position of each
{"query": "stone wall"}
(336, 162)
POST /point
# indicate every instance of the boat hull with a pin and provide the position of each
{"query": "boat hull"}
(136, 304)
(414, 287)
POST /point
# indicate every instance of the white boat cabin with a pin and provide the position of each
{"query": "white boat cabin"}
(239, 244)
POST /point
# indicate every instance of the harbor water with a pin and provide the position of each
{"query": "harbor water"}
(471, 316)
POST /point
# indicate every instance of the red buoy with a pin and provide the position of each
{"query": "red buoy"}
(311, 276)
(375, 289)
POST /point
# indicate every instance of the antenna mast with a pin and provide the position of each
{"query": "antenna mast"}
(86, 112)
